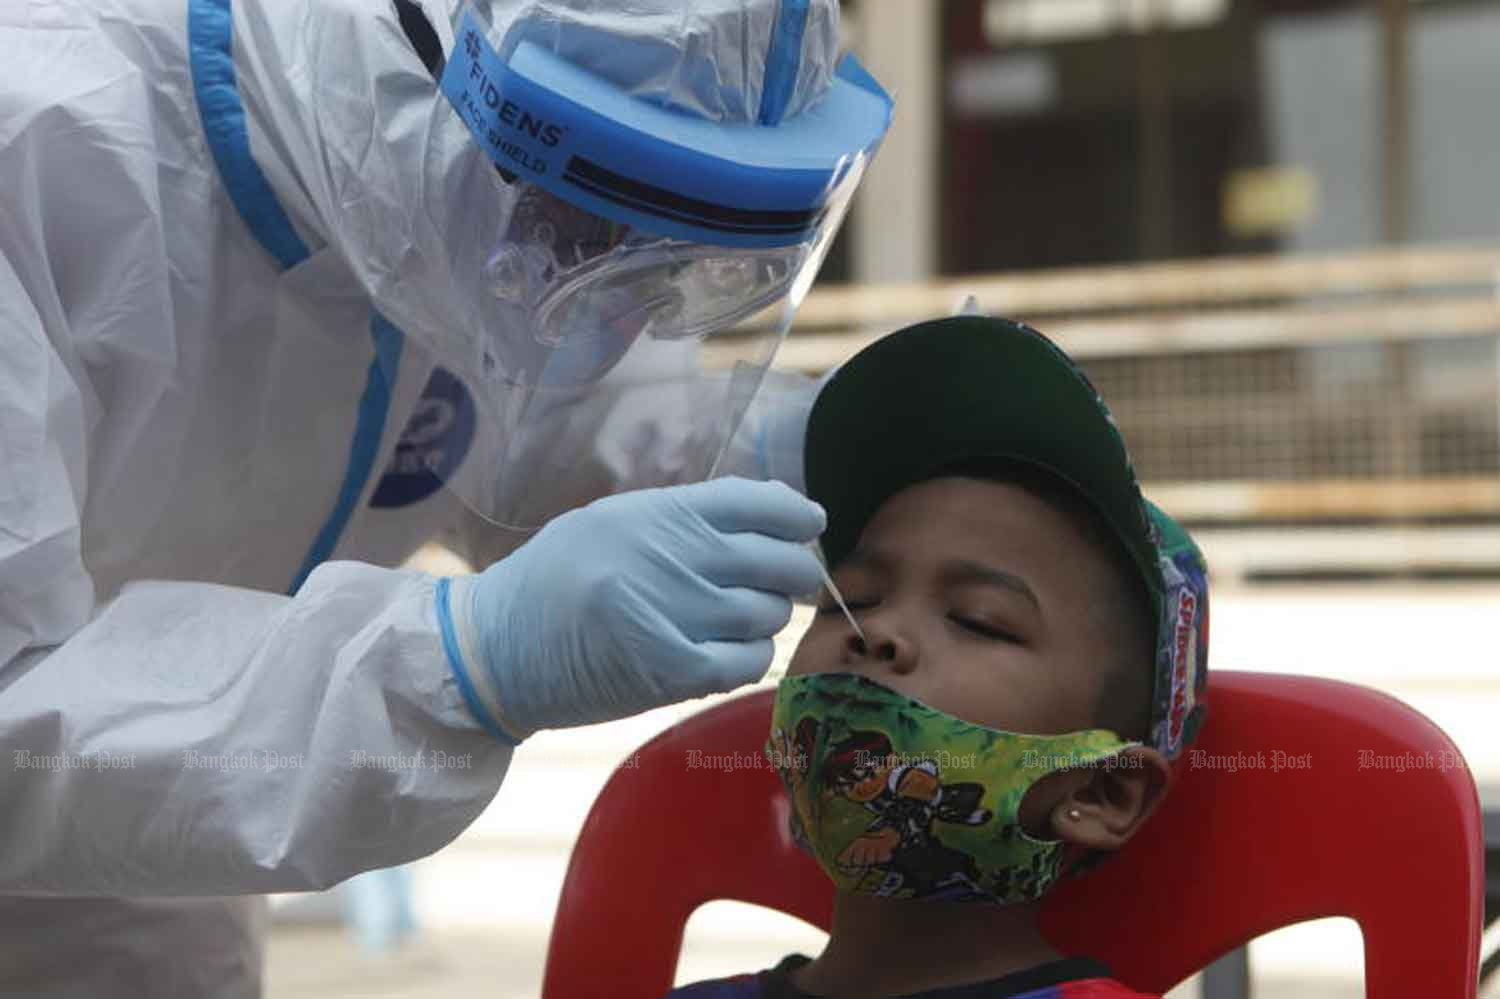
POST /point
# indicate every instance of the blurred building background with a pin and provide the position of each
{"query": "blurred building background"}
(1271, 231)
(1301, 180)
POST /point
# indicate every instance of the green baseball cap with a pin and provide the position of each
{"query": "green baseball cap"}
(968, 387)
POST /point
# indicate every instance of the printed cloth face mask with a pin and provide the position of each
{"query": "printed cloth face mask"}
(622, 243)
(900, 800)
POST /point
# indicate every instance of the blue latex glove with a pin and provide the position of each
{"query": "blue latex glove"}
(632, 602)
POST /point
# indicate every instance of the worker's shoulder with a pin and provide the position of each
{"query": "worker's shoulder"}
(65, 65)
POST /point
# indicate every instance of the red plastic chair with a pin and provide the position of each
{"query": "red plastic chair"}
(1228, 857)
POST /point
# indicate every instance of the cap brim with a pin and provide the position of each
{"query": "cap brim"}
(958, 389)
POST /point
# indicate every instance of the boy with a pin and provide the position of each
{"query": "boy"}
(1035, 655)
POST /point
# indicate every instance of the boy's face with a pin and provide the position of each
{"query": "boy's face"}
(978, 599)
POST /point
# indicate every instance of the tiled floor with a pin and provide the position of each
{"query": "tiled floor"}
(487, 900)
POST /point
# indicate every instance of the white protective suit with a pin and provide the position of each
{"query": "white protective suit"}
(195, 421)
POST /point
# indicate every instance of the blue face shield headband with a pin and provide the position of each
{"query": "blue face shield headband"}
(630, 233)
(673, 174)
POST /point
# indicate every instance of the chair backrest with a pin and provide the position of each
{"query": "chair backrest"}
(1342, 802)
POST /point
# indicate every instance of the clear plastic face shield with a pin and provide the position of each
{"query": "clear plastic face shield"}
(632, 234)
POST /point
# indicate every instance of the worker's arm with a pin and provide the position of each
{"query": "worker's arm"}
(185, 738)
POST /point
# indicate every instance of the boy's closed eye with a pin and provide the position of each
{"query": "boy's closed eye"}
(988, 629)
(985, 625)
(995, 613)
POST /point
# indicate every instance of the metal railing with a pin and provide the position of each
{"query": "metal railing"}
(1359, 388)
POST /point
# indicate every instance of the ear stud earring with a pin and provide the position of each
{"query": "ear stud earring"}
(1074, 815)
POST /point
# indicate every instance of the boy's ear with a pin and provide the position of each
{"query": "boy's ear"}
(1103, 811)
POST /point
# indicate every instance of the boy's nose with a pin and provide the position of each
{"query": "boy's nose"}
(880, 647)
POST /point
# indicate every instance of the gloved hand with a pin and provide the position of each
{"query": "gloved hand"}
(635, 601)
